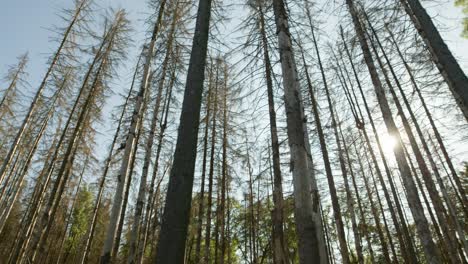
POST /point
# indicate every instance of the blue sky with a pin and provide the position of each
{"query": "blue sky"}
(25, 27)
(25, 24)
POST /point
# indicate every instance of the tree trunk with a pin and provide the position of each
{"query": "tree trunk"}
(312, 248)
(278, 233)
(122, 177)
(328, 169)
(171, 245)
(409, 254)
(430, 250)
(441, 55)
(92, 226)
(211, 171)
(203, 176)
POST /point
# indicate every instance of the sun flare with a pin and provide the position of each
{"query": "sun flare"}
(388, 142)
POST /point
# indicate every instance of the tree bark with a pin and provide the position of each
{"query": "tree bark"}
(172, 239)
(312, 248)
(441, 55)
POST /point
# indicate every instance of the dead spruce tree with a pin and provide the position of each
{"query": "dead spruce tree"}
(430, 250)
(76, 18)
(307, 210)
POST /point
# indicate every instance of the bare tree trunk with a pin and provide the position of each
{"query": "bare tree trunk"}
(331, 182)
(122, 178)
(141, 199)
(118, 237)
(430, 250)
(151, 195)
(278, 233)
(407, 248)
(224, 167)
(92, 226)
(203, 176)
(312, 248)
(461, 189)
(427, 177)
(441, 55)
(172, 239)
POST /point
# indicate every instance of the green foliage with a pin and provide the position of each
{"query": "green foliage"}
(80, 222)
(464, 5)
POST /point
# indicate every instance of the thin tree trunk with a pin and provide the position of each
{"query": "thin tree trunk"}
(224, 167)
(408, 251)
(278, 218)
(203, 176)
(89, 237)
(328, 169)
(149, 206)
(211, 171)
(430, 250)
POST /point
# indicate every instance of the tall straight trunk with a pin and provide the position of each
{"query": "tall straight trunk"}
(312, 248)
(343, 247)
(422, 226)
(217, 219)
(89, 237)
(278, 211)
(461, 189)
(34, 104)
(224, 167)
(408, 251)
(375, 213)
(124, 171)
(358, 198)
(141, 199)
(440, 210)
(151, 195)
(328, 169)
(440, 53)
(123, 211)
(329, 248)
(203, 176)
(211, 170)
(251, 224)
(171, 245)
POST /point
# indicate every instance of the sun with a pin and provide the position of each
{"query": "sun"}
(388, 142)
